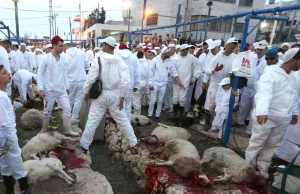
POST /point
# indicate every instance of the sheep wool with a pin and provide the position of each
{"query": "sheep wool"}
(32, 119)
(139, 120)
(165, 134)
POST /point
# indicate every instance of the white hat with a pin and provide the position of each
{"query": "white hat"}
(153, 51)
(110, 41)
(289, 54)
(14, 43)
(199, 44)
(144, 44)
(261, 45)
(177, 46)
(29, 47)
(184, 46)
(196, 51)
(157, 48)
(165, 50)
(140, 45)
(208, 41)
(286, 44)
(214, 44)
(39, 50)
(171, 45)
(225, 81)
(96, 48)
(149, 44)
(22, 44)
(144, 47)
(231, 40)
(175, 40)
(47, 46)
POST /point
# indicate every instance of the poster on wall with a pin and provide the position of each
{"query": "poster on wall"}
(152, 19)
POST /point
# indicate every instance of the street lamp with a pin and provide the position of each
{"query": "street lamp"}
(209, 4)
(127, 5)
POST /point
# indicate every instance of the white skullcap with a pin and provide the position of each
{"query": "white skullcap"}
(39, 50)
(261, 45)
(157, 48)
(286, 44)
(177, 46)
(171, 45)
(111, 41)
(196, 51)
(165, 50)
(225, 81)
(22, 44)
(208, 41)
(214, 44)
(96, 48)
(14, 43)
(289, 54)
(47, 46)
(231, 40)
(175, 40)
(149, 44)
(152, 51)
(184, 46)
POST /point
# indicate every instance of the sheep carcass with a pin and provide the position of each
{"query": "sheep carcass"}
(139, 120)
(191, 117)
(165, 133)
(234, 167)
(184, 159)
(41, 170)
(42, 142)
(32, 119)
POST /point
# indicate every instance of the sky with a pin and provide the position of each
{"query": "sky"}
(36, 21)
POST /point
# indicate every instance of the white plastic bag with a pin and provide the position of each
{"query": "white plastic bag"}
(241, 65)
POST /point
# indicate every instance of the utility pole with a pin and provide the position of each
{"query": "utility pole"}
(209, 4)
(70, 28)
(177, 20)
(51, 19)
(17, 19)
(129, 15)
(292, 23)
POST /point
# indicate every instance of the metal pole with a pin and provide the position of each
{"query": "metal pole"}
(278, 38)
(234, 27)
(206, 24)
(292, 22)
(17, 20)
(129, 40)
(129, 13)
(273, 32)
(177, 20)
(57, 31)
(71, 27)
(8, 35)
(143, 20)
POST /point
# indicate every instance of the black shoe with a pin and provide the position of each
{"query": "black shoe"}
(9, 184)
(24, 186)
(82, 149)
(206, 126)
(247, 122)
(157, 119)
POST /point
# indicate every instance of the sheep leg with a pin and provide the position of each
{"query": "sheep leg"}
(224, 178)
(34, 156)
(65, 176)
(167, 163)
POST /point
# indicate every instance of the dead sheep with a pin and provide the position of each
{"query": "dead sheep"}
(41, 143)
(17, 105)
(234, 167)
(139, 120)
(41, 170)
(184, 159)
(32, 119)
(164, 133)
(190, 118)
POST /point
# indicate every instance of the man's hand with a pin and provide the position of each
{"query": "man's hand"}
(151, 88)
(134, 89)
(41, 94)
(7, 146)
(204, 86)
(262, 119)
(181, 86)
(86, 98)
(68, 91)
(218, 67)
(294, 120)
(121, 103)
(235, 93)
(193, 80)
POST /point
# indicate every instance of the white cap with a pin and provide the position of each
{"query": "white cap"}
(165, 50)
(196, 51)
(199, 44)
(144, 47)
(175, 40)
(22, 44)
(289, 54)
(214, 44)
(110, 41)
(231, 40)
(144, 44)
(208, 41)
(184, 46)
(171, 45)
(39, 50)
(177, 46)
(14, 43)
(225, 81)
(191, 46)
(96, 48)
(261, 45)
(157, 48)
(153, 51)
(149, 44)
(140, 45)
(286, 44)
(47, 46)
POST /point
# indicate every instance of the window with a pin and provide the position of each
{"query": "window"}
(288, 23)
(216, 26)
(194, 26)
(246, 3)
(239, 27)
(226, 1)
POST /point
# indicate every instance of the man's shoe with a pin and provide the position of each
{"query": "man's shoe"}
(135, 149)
(244, 134)
(157, 119)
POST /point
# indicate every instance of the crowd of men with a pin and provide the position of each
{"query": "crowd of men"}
(171, 77)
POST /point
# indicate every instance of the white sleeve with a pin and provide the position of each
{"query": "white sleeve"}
(173, 70)
(41, 73)
(31, 62)
(136, 73)
(196, 67)
(87, 62)
(5, 124)
(124, 79)
(151, 72)
(66, 82)
(210, 67)
(92, 76)
(218, 95)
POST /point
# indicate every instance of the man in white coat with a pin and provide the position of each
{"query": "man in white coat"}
(115, 87)
(4, 59)
(28, 61)
(23, 79)
(77, 65)
(53, 85)
(18, 55)
(218, 68)
(275, 109)
(188, 69)
(132, 62)
(160, 67)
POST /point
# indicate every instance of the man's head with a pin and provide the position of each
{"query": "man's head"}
(38, 51)
(285, 46)
(140, 55)
(139, 47)
(152, 54)
(57, 44)
(184, 50)
(261, 48)
(15, 46)
(47, 48)
(271, 56)
(6, 44)
(23, 47)
(225, 83)
(166, 52)
(237, 49)
(172, 47)
(123, 46)
(109, 44)
(214, 46)
(292, 59)
(191, 49)
(231, 44)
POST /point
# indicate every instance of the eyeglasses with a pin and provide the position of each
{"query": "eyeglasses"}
(270, 58)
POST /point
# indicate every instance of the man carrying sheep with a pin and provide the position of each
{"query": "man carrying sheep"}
(53, 85)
